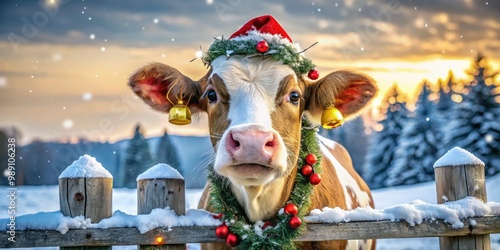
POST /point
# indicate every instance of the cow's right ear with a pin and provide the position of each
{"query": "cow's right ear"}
(155, 81)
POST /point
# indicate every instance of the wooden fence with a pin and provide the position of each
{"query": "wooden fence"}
(79, 196)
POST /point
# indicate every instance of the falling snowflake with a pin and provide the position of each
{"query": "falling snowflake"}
(488, 138)
(3, 81)
(67, 124)
(155, 20)
(210, 2)
(57, 57)
(92, 36)
(173, 39)
(103, 49)
(87, 96)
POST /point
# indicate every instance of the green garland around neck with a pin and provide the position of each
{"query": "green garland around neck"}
(279, 234)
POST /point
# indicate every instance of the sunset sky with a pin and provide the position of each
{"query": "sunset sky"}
(64, 64)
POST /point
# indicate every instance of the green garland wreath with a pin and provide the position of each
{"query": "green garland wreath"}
(278, 51)
(280, 235)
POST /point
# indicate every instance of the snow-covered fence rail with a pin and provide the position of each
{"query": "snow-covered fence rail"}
(200, 234)
(457, 176)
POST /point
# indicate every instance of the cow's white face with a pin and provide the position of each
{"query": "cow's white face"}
(254, 107)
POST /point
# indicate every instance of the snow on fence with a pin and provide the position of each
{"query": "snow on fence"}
(85, 187)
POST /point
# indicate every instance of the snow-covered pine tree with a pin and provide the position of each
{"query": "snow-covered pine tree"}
(383, 144)
(418, 144)
(137, 158)
(474, 122)
(167, 152)
(445, 93)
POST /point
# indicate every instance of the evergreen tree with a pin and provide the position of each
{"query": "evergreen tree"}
(383, 144)
(137, 158)
(446, 92)
(418, 145)
(474, 122)
(167, 152)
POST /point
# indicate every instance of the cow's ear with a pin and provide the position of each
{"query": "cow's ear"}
(349, 91)
(153, 82)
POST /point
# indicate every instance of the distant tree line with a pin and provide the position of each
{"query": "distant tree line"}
(41, 162)
(466, 115)
(138, 157)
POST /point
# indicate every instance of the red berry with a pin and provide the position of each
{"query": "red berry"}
(291, 209)
(217, 216)
(262, 46)
(313, 74)
(314, 179)
(311, 159)
(306, 170)
(295, 222)
(222, 231)
(232, 240)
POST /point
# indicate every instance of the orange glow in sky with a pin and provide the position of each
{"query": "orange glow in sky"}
(68, 77)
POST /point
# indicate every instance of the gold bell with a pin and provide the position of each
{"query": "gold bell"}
(180, 114)
(331, 117)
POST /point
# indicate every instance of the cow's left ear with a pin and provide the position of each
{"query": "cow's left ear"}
(349, 91)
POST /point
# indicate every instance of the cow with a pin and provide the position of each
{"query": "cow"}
(255, 105)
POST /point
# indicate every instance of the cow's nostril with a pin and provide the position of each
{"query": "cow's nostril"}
(271, 144)
(233, 143)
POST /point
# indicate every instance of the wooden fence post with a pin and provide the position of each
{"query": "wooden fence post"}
(86, 188)
(161, 186)
(459, 174)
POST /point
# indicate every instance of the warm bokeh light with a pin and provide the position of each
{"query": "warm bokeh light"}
(159, 239)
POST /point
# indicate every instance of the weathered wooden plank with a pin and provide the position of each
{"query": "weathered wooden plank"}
(90, 197)
(161, 193)
(99, 192)
(206, 234)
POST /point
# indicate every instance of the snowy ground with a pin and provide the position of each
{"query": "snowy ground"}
(32, 199)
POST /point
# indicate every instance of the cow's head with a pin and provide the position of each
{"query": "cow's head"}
(254, 109)
(255, 105)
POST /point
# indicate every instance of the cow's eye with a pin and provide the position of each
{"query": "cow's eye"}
(212, 96)
(294, 97)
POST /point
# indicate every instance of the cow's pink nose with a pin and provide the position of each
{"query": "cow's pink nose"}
(252, 146)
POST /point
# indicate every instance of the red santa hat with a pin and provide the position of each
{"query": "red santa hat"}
(266, 24)
(264, 36)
